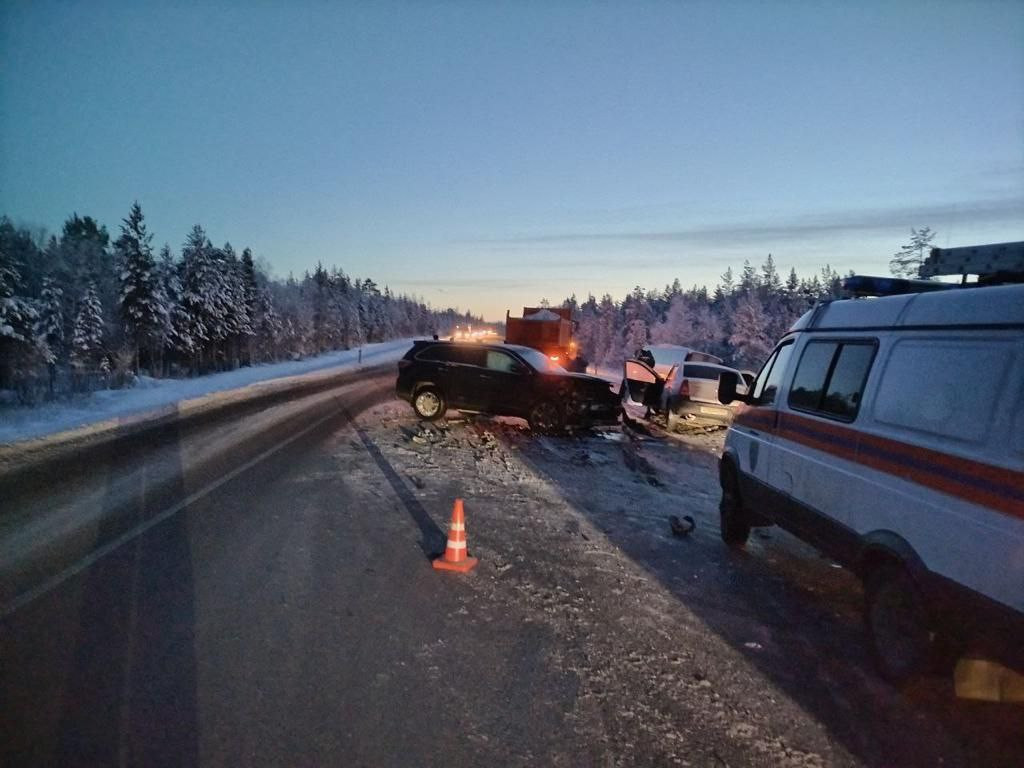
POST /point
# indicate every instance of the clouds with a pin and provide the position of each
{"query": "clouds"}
(770, 233)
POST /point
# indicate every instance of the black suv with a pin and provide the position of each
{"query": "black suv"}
(504, 380)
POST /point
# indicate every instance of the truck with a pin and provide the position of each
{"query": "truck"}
(549, 330)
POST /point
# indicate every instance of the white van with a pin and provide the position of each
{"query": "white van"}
(889, 433)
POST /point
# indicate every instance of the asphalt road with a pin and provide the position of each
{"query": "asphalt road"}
(289, 616)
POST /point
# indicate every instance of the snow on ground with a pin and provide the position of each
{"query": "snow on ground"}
(683, 651)
(151, 394)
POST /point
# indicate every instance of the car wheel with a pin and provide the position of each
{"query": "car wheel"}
(429, 404)
(900, 634)
(734, 524)
(546, 417)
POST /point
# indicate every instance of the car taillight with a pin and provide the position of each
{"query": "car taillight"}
(684, 389)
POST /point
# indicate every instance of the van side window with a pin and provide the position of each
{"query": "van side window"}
(945, 387)
(767, 384)
(830, 378)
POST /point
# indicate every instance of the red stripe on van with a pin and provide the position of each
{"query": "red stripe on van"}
(995, 487)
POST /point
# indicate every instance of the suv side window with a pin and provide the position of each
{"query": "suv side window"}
(830, 378)
(469, 355)
(453, 353)
(441, 353)
(499, 361)
(766, 385)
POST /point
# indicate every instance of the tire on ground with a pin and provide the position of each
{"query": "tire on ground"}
(546, 417)
(429, 403)
(734, 524)
(901, 636)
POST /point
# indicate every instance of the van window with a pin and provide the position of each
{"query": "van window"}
(768, 380)
(830, 378)
(846, 385)
(809, 382)
(944, 387)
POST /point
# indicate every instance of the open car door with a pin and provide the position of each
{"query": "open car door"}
(641, 385)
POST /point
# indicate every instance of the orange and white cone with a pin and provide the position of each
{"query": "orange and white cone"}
(455, 557)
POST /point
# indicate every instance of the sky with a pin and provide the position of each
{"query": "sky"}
(485, 155)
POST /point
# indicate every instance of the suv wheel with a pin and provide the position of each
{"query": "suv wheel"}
(429, 404)
(546, 417)
(900, 632)
(734, 523)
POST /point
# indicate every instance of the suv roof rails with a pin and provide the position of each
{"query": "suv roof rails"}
(858, 286)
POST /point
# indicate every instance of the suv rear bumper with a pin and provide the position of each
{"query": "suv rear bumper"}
(403, 390)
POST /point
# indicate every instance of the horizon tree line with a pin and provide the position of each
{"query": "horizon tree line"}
(79, 311)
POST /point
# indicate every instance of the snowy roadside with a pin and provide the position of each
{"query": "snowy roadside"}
(156, 395)
(683, 651)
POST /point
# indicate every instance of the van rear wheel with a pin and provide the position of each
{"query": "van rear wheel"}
(900, 633)
(734, 524)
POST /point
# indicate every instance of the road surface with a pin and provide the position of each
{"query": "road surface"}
(290, 617)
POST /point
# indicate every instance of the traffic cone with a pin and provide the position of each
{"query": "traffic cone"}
(455, 558)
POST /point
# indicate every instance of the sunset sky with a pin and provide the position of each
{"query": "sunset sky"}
(486, 155)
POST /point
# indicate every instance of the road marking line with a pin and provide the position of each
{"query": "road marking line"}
(73, 570)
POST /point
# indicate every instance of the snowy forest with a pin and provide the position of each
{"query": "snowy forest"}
(739, 320)
(80, 311)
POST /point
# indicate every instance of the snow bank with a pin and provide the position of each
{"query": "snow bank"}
(151, 394)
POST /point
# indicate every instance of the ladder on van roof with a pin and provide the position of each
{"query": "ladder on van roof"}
(993, 264)
(998, 263)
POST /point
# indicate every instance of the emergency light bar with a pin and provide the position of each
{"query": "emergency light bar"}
(858, 286)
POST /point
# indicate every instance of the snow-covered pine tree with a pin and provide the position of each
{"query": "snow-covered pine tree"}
(268, 327)
(87, 344)
(907, 261)
(143, 306)
(677, 327)
(749, 281)
(749, 339)
(771, 283)
(50, 324)
(176, 340)
(249, 299)
(202, 301)
(237, 320)
(17, 323)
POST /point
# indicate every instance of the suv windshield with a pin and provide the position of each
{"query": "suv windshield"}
(540, 361)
